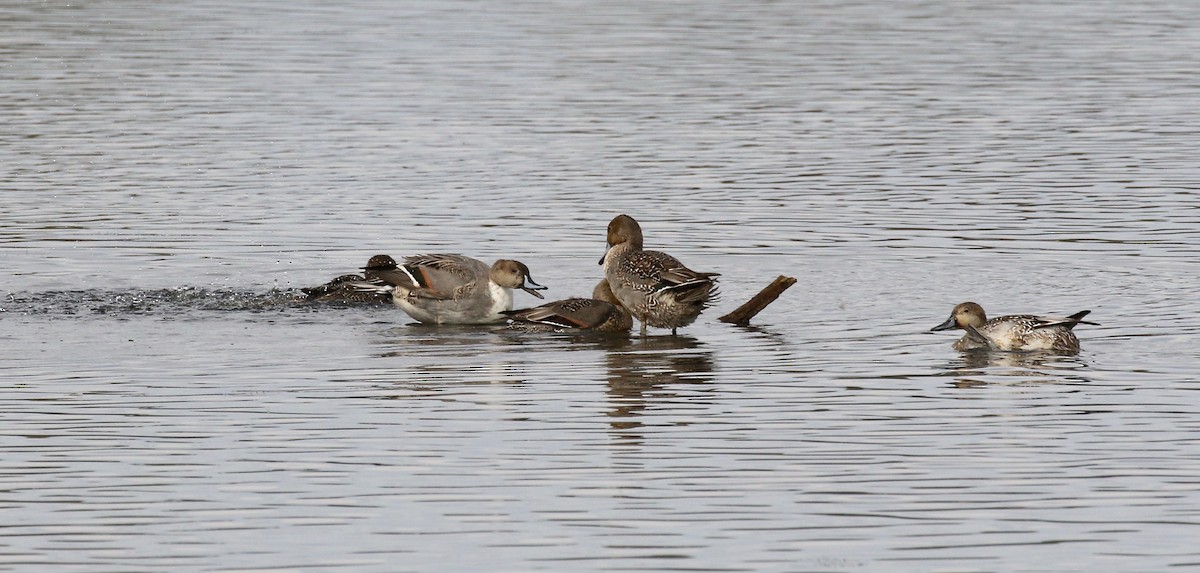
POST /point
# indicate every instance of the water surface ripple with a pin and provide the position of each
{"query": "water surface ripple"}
(175, 172)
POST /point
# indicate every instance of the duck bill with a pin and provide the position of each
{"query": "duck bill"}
(532, 288)
(945, 325)
(605, 255)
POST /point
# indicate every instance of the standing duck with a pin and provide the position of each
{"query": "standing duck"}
(655, 287)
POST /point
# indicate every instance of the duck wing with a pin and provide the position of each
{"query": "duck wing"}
(661, 272)
(974, 335)
(688, 285)
(440, 277)
(1066, 321)
(575, 313)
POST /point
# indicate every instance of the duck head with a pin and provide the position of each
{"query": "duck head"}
(963, 315)
(623, 229)
(514, 274)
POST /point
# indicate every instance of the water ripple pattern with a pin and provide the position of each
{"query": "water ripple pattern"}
(174, 173)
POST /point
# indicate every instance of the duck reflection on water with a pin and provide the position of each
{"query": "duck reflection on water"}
(980, 367)
(645, 372)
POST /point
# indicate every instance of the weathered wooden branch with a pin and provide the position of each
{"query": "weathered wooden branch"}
(742, 314)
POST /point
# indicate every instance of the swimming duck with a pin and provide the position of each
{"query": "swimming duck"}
(454, 289)
(377, 264)
(601, 313)
(655, 287)
(343, 289)
(1014, 332)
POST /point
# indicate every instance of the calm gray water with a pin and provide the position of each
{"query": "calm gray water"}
(173, 172)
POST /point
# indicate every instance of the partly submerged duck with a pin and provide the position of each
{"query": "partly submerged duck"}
(343, 288)
(601, 313)
(1014, 332)
(655, 287)
(454, 289)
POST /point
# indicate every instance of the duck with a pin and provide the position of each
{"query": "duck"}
(453, 289)
(653, 286)
(601, 313)
(343, 290)
(1018, 332)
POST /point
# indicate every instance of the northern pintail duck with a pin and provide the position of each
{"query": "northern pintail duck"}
(344, 289)
(453, 289)
(1015, 332)
(654, 286)
(601, 313)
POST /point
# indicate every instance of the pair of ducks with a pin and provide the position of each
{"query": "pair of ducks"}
(652, 286)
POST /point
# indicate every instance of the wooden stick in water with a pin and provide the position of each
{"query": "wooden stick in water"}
(742, 314)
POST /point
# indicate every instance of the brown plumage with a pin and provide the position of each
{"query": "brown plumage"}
(601, 313)
(342, 289)
(655, 287)
(1018, 332)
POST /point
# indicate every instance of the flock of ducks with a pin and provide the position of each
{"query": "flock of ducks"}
(652, 287)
